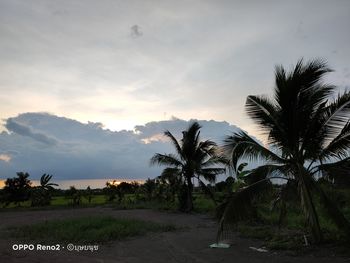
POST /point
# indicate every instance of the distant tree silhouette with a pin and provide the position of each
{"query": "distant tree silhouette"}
(88, 194)
(146, 190)
(74, 195)
(17, 189)
(110, 191)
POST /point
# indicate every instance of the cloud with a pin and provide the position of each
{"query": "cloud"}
(194, 60)
(5, 157)
(159, 137)
(87, 150)
(213, 130)
(24, 130)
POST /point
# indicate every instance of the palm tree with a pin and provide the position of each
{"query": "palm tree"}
(41, 195)
(193, 159)
(308, 132)
(44, 182)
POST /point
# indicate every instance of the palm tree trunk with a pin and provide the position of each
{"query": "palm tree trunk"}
(189, 198)
(307, 204)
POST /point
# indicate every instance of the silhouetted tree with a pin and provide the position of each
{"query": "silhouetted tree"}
(17, 189)
(308, 134)
(146, 190)
(193, 159)
(41, 195)
(74, 195)
(88, 194)
(110, 191)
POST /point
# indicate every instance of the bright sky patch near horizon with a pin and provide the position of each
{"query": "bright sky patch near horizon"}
(126, 63)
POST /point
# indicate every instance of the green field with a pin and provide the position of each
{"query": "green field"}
(201, 202)
(61, 201)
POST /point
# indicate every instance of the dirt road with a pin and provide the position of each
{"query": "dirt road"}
(190, 244)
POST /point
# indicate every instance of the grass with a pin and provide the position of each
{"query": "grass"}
(291, 234)
(277, 239)
(203, 204)
(60, 201)
(96, 229)
(151, 204)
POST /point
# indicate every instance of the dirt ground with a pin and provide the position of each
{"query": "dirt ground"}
(190, 244)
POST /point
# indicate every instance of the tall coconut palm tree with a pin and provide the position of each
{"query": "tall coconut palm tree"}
(308, 133)
(193, 159)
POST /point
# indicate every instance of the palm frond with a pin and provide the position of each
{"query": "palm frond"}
(241, 167)
(169, 172)
(204, 150)
(196, 141)
(44, 182)
(299, 94)
(210, 174)
(215, 160)
(271, 171)
(267, 171)
(44, 179)
(237, 206)
(339, 146)
(208, 147)
(305, 79)
(241, 145)
(174, 142)
(165, 159)
(190, 141)
(334, 169)
(336, 114)
(265, 114)
(313, 135)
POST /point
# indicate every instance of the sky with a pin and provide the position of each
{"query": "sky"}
(125, 64)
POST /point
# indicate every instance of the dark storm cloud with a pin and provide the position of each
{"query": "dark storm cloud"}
(89, 151)
(23, 130)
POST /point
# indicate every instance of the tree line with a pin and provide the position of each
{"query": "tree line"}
(19, 189)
